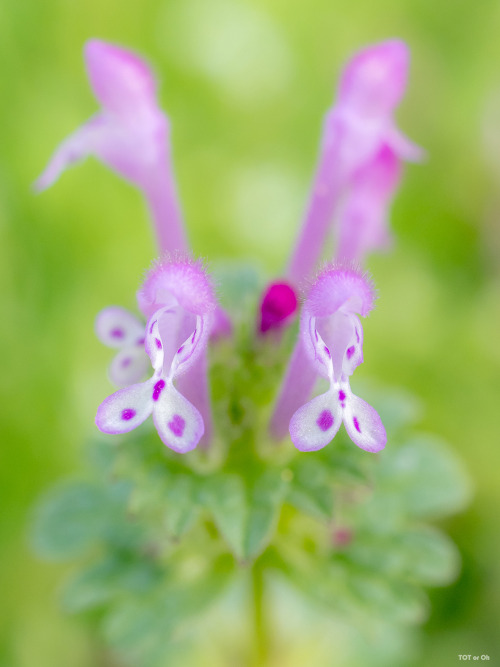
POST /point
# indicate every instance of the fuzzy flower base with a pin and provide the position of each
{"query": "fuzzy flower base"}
(167, 542)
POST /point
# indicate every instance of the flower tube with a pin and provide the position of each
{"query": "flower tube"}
(362, 224)
(179, 300)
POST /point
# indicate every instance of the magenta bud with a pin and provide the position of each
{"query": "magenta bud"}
(278, 305)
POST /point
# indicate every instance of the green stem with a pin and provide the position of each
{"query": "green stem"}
(260, 626)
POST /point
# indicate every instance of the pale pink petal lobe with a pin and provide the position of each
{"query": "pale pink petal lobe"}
(118, 327)
(126, 409)
(120, 79)
(364, 425)
(314, 425)
(129, 366)
(178, 422)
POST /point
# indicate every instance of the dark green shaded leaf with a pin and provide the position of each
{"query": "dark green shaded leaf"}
(311, 489)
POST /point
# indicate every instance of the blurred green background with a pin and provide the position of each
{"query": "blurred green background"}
(246, 85)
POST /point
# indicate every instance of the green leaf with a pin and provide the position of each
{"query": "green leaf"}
(90, 588)
(424, 556)
(245, 517)
(143, 628)
(346, 464)
(398, 602)
(311, 489)
(69, 520)
(265, 503)
(427, 477)
(225, 496)
(113, 576)
(431, 556)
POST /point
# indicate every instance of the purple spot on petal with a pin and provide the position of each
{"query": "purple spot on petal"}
(327, 351)
(128, 414)
(126, 362)
(341, 395)
(117, 333)
(357, 335)
(192, 337)
(158, 388)
(316, 335)
(350, 351)
(356, 424)
(152, 326)
(180, 349)
(325, 420)
(177, 425)
(158, 343)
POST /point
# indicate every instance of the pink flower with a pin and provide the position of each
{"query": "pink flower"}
(130, 134)
(179, 300)
(118, 328)
(357, 131)
(331, 341)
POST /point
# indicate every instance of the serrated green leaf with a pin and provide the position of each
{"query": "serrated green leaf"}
(424, 556)
(69, 520)
(245, 516)
(427, 478)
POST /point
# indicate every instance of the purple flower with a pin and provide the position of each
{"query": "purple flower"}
(358, 130)
(331, 345)
(179, 300)
(118, 328)
(130, 134)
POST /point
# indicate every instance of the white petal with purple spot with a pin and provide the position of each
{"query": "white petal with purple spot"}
(117, 327)
(178, 422)
(364, 425)
(314, 425)
(129, 366)
(126, 408)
